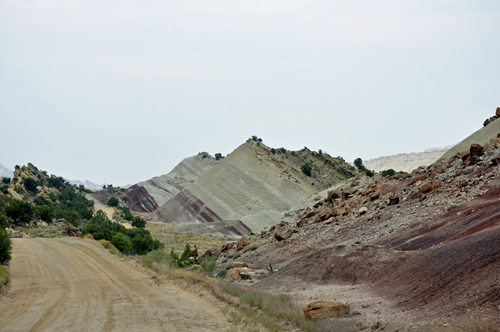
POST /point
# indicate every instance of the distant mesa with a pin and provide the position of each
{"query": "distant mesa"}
(406, 162)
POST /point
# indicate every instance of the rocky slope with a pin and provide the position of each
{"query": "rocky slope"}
(148, 195)
(253, 184)
(425, 247)
(405, 162)
(482, 136)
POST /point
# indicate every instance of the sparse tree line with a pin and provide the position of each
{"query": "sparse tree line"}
(69, 202)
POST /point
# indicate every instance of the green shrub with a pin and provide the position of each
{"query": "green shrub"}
(320, 151)
(273, 151)
(5, 248)
(113, 201)
(30, 185)
(6, 180)
(138, 222)
(4, 223)
(306, 169)
(369, 173)
(4, 278)
(209, 265)
(255, 138)
(358, 162)
(389, 172)
(283, 150)
(293, 153)
(19, 211)
(218, 156)
(122, 243)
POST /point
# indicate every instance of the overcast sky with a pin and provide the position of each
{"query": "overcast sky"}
(121, 91)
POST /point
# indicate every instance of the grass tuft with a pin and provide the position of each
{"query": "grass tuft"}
(4, 278)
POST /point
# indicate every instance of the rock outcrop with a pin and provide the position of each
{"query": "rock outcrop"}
(325, 309)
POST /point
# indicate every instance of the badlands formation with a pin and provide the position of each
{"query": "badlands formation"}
(411, 252)
(254, 185)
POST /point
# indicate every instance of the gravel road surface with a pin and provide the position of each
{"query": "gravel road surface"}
(71, 284)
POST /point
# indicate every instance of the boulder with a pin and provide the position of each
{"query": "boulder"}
(283, 233)
(308, 214)
(324, 309)
(234, 274)
(362, 210)
(69, 229)
(240, 264)
(317, 197)
(498, 112)
(192, 253)
(214, 252)
(374, 196)
(425, 187)
(393, 200)
(14, 194)
(476, 150)
(496, 160)
(242, 242)
(486, 122)
(349, 191)
(335, 194)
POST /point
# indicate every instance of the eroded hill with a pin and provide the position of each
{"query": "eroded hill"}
(148, 195)
(255, 185)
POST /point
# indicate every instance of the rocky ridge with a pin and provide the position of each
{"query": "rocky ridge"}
(427, 243)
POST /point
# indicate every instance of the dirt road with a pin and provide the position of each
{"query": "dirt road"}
(71, 284)
(99, 206)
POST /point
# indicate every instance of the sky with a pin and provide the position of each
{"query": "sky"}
(119, 91)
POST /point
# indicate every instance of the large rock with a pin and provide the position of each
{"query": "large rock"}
(476, 150)
(192, 253)
(242, 242)
(393, 200)
(69, 229)
(498, 112)
(14, 194)
(214, 252)
(283, 233)
(240, 264)
(425, 187)
(324, 309)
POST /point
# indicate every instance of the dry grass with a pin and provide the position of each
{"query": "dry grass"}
(199, 235)
(108, 245)
(273, 312)
(4, 278)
